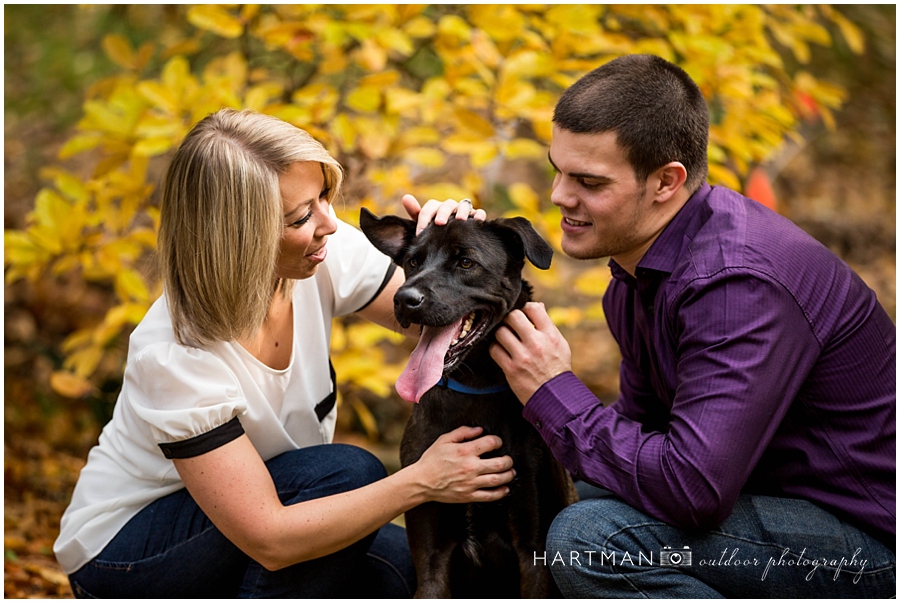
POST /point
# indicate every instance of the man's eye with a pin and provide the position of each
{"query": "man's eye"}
(591, 184)
(466, 263)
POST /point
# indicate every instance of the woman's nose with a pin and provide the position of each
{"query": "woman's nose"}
(326, 224)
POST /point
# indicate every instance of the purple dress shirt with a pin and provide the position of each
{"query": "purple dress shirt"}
(753, 361)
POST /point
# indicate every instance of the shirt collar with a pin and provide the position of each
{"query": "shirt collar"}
(666, 249)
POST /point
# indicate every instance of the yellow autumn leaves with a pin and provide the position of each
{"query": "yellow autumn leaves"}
(435, 100)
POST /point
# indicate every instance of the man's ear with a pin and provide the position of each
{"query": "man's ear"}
(671, 178)
(390, 235)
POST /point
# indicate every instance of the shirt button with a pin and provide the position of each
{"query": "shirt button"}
(538, 424)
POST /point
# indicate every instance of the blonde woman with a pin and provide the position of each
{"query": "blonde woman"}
(216, 476)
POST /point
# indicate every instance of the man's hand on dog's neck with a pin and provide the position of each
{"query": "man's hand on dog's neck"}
(530, 350)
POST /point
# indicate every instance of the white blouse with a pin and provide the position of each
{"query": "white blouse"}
(172, 392)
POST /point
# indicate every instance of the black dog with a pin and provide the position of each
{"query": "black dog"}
(462, 279)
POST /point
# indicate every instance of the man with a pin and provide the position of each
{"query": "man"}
(751, 451)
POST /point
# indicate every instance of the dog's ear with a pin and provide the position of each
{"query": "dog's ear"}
(390, 235)
(537, 250)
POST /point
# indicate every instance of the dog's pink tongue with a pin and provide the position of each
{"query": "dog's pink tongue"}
(426, 363)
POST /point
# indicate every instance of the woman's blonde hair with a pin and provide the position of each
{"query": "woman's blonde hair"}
(222, 221)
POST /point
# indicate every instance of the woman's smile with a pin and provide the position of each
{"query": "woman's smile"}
(318, 255)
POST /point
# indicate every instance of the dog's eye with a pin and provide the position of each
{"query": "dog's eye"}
(466, 263)
(412, 263)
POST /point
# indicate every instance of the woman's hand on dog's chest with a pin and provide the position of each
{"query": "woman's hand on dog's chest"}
(452, 471)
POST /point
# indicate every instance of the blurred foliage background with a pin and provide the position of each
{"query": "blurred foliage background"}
(437, 100)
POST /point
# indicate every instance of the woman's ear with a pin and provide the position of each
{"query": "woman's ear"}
(671, 178)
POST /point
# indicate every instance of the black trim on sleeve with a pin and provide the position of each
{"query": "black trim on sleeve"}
(205, 442)
(387, 278)
(324, 407)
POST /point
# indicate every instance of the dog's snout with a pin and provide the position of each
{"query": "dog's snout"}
(408, 298)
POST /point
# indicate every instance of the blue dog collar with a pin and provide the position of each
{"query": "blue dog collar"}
(456, 386)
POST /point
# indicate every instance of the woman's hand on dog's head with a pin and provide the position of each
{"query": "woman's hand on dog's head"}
(439, 211)
(452, 470)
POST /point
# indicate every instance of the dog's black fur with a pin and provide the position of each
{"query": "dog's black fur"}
(478, 549)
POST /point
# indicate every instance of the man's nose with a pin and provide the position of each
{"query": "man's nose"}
(562, 194)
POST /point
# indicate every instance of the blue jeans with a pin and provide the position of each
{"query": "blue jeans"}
(171, 549)
(768, 547)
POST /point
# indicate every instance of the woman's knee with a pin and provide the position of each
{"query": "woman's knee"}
(358, 467)
(323, 470)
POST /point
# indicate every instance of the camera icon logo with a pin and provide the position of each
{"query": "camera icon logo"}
(670, 558)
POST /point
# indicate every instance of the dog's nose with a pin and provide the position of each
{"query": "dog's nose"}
(408, 298)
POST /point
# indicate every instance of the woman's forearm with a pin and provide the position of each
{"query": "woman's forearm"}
(232, 485)
(322, 526)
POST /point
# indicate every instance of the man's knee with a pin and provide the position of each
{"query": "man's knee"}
(597, 526)
(569, 530)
